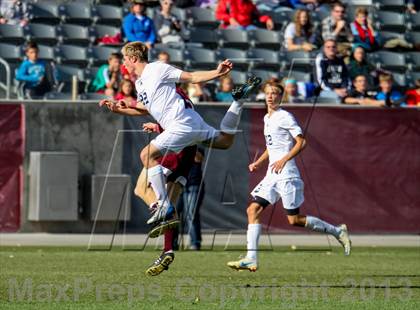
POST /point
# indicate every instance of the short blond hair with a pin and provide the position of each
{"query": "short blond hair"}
(385, 78)
(275, 84)
(136, 49)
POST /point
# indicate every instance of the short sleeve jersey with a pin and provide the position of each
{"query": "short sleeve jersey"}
(280, 129)
(157, 90)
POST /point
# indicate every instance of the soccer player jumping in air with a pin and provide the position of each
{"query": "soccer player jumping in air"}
(284, 141)
(157, 96)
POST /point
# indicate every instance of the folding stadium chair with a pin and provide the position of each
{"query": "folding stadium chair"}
(400, 79)
(233, 38)
(202, 17)
(77, 13)
(264, 58)
(205, 36)
(74, 34)
(46, 52)
(388, 35)
(412, 77)
(176, 54)
(41, 33)
(200, 58)
(239, 77)
(413, 37)
(238, 57)
(414, 23)
(266, 74)
(46, 12)
(390, 21)
(65, 75)
(71, 54)
(263, 38)
(282, 19)
(107, 14)
(11, 34)
(389, 60)
(11, 52)
(296, 60)
(300, 76)
(180, 13)
(414, 61)
(98, 55)
(391, 5)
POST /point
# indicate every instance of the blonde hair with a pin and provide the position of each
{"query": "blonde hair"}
(274, 83)
(385, 78)
(136, 49)
(361, 10)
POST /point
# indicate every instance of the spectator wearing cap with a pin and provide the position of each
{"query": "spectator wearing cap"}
(331, 72)
(137, 26)
(335, 27)
(167, 24)
(241, 14)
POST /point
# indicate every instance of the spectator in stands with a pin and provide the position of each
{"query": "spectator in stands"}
(387, 92)
(241, 14)
(38, 77)
(197, 92)
(335, 27)
(206, 4)
(360, 95)
(108, 77)
(413, 6)
(310, 5)
(291, 92)
(331, 72)
(226, 85)
(413, 95)
(13, 12)
(359, 65)
(126, 91)
(300, 34)
(363, 32)
(137, 26)
(164, 57)
(167, 24)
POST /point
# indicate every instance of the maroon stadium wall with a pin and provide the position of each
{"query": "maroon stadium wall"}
(12, 129)
(361, 167)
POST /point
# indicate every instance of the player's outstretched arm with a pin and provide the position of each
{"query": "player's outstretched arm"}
(260, 161)
(203, 76)
(123, 107)
(300, 144)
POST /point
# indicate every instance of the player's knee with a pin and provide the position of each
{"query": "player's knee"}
(253, 210)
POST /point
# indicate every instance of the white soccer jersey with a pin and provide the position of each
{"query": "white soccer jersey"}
(157, 90)
(280, 129)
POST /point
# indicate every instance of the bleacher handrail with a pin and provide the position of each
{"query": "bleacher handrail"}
(6, 86)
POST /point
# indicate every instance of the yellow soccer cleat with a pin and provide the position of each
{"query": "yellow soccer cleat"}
(244, 264)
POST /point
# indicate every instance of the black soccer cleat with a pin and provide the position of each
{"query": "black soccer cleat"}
(241, 92)
(161, 264)
(162, 227)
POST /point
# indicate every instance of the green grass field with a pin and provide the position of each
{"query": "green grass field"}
(73, 278)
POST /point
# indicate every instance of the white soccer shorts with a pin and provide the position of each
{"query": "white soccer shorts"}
(289, 190)
(190, 130)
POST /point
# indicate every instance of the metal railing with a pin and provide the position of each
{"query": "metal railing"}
(6, 86)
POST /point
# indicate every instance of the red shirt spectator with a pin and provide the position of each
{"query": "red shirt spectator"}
(241, 14)
(413, 97)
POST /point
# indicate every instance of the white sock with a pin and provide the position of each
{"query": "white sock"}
(157, 180)
(252, 237)
(321, 226)
(230, 121)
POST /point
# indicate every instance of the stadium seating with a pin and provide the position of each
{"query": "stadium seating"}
(71, 54)
(74, 34)
(389, 60)
(264, 58)
(107, 14)
(200, 17)
(390, 21)
(238, 56)
(58, 96)
(238, 77)
(266, 74)
(205, 36)
(391, 5)
(98, 55)
(45, 12)
(46, 52)
(414, 23)
(296, 60)
(41, 33)
(233, 38)
(263, 38)
(414, 61)
(176, 54)
(77, 13)
(11, 52)
(200, 57)
(12, 34)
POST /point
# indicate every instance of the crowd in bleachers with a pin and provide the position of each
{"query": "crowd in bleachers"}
(367, 55)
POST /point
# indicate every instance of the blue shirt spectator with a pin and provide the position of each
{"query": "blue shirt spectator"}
(31, 72)
(387, 93)
(137, 26)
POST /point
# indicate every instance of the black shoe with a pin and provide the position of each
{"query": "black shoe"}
(161, 264)
(241, 92)
(162, 227)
